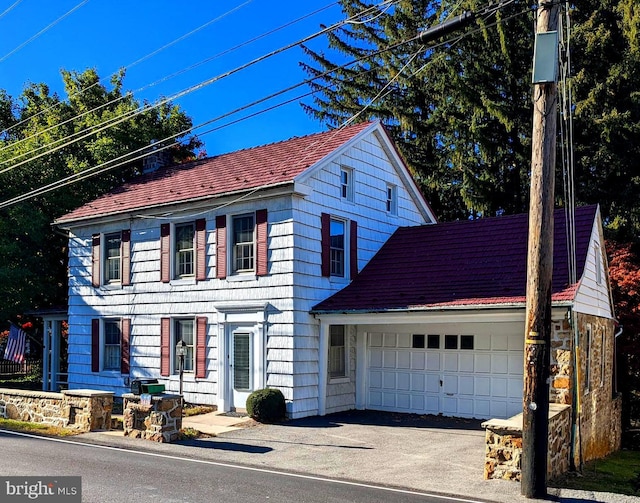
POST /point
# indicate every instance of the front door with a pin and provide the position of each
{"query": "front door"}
(241, 367)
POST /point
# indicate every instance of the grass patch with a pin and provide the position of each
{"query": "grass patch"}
(618, 473)
(195, 410)
(40, 428)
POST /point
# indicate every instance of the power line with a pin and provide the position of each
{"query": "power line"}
(127, 158)
(46, 28)
(10, 8)
(130, 65)
(128, 115)
(161, 80)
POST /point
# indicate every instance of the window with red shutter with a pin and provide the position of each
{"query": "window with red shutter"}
(95, 260)
(201, 347)
(165, 253)
(221, 246)
(126, 257)
(165, 347)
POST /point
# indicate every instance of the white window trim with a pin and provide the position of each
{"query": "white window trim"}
(102, 342)
(174, 258)
(103, 260)
(350, 187)
(346, 251)
(393, 210)
(244, 275)
(345, 378)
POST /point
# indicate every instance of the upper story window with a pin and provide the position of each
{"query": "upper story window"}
(185, 251)
(243, 243)
(346, 183)
(392, 199)
(112, 258)
(111, 348)
(337, 247)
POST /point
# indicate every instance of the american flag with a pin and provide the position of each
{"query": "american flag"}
(15, 345)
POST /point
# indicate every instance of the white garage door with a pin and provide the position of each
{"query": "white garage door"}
(463, 375)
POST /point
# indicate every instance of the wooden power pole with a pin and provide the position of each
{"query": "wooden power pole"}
(537, 349)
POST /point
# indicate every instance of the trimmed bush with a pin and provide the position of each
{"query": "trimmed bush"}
(266, 405)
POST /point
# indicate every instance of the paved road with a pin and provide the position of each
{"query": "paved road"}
(115, 475)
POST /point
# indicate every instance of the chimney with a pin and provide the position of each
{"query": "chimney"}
(156, 159)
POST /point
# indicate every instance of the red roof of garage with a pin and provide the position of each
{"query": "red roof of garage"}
(252, 168)
(455, 264)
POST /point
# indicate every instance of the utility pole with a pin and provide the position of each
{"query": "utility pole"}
(535, 422)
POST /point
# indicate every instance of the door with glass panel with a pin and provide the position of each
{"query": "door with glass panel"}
(241, 367)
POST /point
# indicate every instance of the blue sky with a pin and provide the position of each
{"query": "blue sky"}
(108, 35)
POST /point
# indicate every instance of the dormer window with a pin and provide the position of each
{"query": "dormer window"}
(346, 183)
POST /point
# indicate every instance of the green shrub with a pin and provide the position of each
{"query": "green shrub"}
(266, 405)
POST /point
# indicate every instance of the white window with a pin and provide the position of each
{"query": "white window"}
(243, 243)
(184, 251)
(337, 351)
(112, 345)
(337, 233)
(392, 199)
(112, 258)
(183, 331)
(346, 183)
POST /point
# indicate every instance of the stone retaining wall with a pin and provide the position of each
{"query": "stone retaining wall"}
(503, 450)
(83, 410)
(161, 421)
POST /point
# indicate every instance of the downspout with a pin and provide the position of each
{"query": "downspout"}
(575, 410)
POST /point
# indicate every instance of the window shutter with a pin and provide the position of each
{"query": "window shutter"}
(353, 249)
(95, 345)
(201, 250)
(165, 253)
(165, 347)
(95, 260)
(262, 266)
(125, 348)
(221, 246)
(325, 220)
(126, 257)
(201, 347)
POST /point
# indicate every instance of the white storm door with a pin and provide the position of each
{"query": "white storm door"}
(241, 364)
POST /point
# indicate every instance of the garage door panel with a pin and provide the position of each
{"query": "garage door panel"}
(466, 385)
(417, 382)
(375, 379)
(499, 342)
(499, 363)
(418, 403)
(404, 360)
(375, 340)
(403, 381)
(418, 360)
(403, 402)
(466, 362)
(389, 380)
(514, 388)
(404, 340)
(375, 358)
(465, 406)
(451, 362)
(513, 408)
(389, 359)
(433, 383)
(389, 400)
(433, 361)
(433, 405)
(482, 363)
(450, 384)
(375, 399)
(483, 386)
(516, 363)
(450, 405)
(389, 340)
(498, 409)
(482, 408)
(498, 387)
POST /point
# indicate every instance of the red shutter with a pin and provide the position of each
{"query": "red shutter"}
(126, 257)
(201, 347)
(325, 220)
(201, 250)
(353, 249)
(95, 345)
(125, 352)
(165, 253)
(262, 266)
(165, 347)
(221, 246)
(95, 260)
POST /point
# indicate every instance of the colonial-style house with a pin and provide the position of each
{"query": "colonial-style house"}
(435, 323)
(228, 255)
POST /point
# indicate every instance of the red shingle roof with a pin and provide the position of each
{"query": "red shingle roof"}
(459, 264)
(243, 170)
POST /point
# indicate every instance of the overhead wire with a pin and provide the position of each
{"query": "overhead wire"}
(156, 82)
(129, 66)
(128, 115)
(128, 159)
(45, 29)
(10, 8)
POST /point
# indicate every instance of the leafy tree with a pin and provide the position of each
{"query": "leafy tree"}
(33, 267)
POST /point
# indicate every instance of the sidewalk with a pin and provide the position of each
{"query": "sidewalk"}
(437, 455)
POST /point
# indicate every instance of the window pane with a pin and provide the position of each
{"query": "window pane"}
(241, 362)
(243, 246)
(184, 332)
(433, 341)
(111, 345)
(112, 258)
(337, 351)
(418, 341)
(466, 342)
(184, 250)
(337, 248)
(450, 342)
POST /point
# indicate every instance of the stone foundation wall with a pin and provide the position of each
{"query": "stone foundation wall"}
(160, 422)
(503, 451)
(83, 410)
